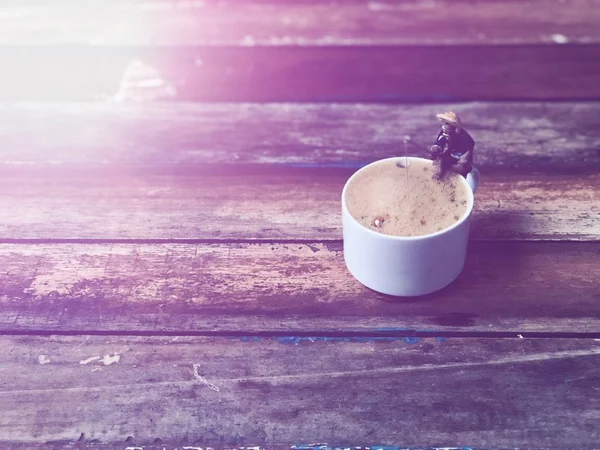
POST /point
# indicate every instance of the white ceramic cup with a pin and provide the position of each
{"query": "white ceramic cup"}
(406, 266)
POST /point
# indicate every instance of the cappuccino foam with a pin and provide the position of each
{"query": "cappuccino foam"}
(400, 199)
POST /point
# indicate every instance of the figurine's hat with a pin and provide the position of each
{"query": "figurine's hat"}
(450, 118)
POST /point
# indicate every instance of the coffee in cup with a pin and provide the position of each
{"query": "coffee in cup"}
(401, 198)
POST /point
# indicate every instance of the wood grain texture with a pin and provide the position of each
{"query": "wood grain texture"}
(301, 73)
(211, 391)
(346, 366)
(276, 171)
(286, 204)
(187, 288)
(94, 444)
(259, 22)
(517, 137)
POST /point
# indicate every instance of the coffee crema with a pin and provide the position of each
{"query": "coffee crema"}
(399, 197)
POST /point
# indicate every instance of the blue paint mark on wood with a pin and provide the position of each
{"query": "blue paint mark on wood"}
(295, 340)
(404, 330)
(395, 330)
(250, 338)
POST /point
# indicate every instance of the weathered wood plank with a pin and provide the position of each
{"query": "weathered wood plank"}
(525, 137)
(301, 73)
(505, 287)
(225, 392)
(257, 22)
(158, 445)
(286, 204)
(154, 168)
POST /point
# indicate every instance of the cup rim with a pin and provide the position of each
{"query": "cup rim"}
(465, 216)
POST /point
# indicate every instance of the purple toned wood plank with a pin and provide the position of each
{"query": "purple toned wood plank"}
(258, 22)
(158, 445)
(525, 137)
(227, 171)
(298, 204)
(236, 395)
(301, 73)
(287, 288)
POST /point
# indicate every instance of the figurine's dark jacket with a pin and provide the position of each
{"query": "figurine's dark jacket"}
(459, 144)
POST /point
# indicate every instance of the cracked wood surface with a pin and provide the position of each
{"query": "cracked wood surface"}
(259, 22)
(186, 390)
(195, 288)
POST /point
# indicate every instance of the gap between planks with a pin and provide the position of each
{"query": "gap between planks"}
(299, 337)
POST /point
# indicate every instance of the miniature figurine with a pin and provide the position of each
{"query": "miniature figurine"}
(453, 149)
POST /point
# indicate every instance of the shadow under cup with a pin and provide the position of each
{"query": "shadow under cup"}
(405, 266)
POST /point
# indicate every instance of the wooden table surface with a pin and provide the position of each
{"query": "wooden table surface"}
(171, 263)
